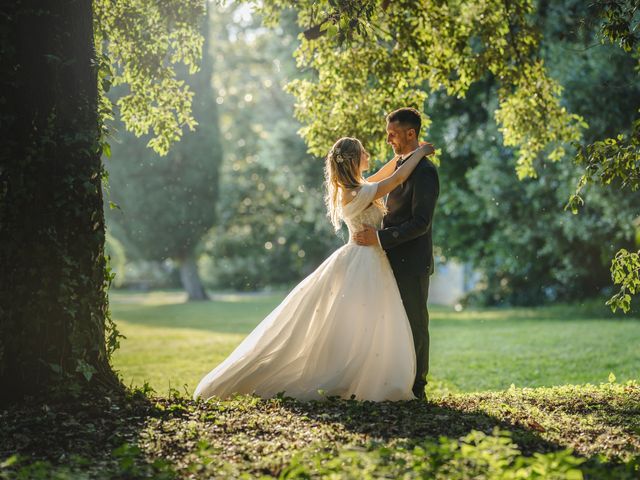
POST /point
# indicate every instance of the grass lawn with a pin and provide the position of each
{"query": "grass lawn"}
(473, 424)
(171, 343)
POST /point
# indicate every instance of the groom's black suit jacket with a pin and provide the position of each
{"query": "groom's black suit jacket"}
(406, 228)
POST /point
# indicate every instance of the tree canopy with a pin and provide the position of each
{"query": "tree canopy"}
(166, 203)
(371, 56)
(376, 55)
(138, 44)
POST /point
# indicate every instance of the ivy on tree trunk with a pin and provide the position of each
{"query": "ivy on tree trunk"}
(55, 329)
(53, 294)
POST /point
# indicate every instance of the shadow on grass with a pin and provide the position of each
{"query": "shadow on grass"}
(436, 436)
(132, 435)
(414, 421)
(96, 433)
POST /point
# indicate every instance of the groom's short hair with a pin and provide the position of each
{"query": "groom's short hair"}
(407, 117)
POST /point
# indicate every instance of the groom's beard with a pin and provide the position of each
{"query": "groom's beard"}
(405, 150)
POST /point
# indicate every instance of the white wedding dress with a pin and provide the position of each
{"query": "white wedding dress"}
(342, 331)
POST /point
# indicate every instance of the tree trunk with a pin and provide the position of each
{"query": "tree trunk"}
(53, 294)
(191, 279)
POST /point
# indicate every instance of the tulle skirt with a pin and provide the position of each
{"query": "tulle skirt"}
(342, 331)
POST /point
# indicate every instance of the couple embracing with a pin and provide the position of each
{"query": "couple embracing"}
(357, 327)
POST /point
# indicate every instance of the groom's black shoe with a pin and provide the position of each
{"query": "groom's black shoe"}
(418, 391)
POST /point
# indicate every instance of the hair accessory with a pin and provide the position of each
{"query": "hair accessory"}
(337, 155)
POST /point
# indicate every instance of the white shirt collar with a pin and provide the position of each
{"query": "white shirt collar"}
(404, 157)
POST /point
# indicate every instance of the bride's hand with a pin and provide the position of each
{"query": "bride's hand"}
(427, 148)
(402, 173)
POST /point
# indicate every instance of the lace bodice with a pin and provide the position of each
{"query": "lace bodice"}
(360, 211)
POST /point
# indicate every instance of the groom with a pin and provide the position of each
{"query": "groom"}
(406, 234)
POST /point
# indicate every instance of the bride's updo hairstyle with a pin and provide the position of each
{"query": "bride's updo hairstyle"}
(342, 173)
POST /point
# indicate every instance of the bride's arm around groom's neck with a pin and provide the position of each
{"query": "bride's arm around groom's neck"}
(385, 171)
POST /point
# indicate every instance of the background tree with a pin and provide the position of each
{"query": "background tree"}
(401, 52)
(53, 295)
(615, 161)
(518, 234)
(167, 203)
(272, 227)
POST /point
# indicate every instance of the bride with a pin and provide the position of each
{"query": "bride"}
(343, 330)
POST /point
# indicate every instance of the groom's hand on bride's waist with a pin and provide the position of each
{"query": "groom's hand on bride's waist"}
(366, 237)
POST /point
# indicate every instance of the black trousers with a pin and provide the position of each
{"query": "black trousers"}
(414, 290)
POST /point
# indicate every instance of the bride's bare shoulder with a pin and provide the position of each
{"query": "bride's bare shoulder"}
(349, 194)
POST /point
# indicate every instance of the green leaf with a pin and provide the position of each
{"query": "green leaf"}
(85, 369)
(12, 460)
(56, 368)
